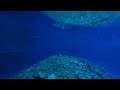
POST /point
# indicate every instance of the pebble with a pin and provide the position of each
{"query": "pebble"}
(52, 76)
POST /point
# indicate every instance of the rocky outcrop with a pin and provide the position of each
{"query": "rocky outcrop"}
(84, 18)
(63, 67)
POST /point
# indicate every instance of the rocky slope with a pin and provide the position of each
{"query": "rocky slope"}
(63, 67)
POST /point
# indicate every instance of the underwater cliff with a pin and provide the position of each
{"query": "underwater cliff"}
(63, 67)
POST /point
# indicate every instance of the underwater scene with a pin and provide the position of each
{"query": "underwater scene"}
(59, 44)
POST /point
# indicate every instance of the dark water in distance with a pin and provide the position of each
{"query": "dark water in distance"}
(28, 37)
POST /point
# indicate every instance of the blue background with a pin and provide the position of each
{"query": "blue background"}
(27, 37)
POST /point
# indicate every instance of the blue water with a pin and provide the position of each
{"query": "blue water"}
(28, 37)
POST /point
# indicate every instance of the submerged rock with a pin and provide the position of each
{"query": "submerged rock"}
(84, 18)
(63, 67)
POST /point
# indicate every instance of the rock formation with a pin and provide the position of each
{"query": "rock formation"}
(84, 18)
(63, 67)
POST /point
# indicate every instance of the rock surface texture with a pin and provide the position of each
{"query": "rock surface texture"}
(82, 18)
(63, 67)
